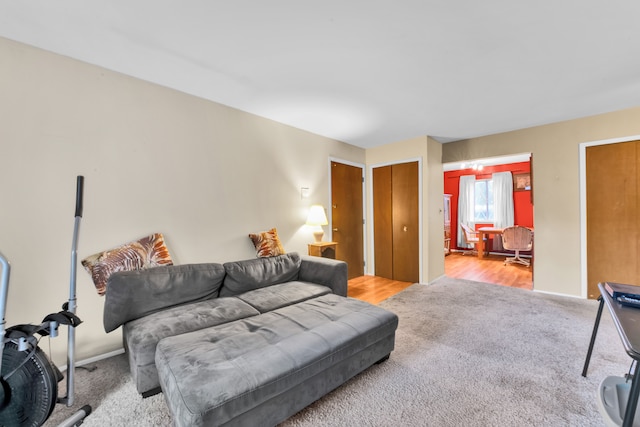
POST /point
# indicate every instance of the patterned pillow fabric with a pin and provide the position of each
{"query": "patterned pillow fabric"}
(267, 243)
(141, 254)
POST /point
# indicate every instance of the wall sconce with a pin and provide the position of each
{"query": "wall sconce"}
(317, 218)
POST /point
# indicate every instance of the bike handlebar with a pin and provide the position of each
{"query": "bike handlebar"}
(79, 191)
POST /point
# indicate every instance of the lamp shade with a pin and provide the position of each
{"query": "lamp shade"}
(317, 216)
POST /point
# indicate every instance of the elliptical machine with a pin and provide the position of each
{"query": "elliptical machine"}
(29, 381)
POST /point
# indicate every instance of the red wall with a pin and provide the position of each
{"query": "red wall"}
(522, 203)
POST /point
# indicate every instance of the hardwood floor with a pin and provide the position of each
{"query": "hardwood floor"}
(374, 289)
(490, 269)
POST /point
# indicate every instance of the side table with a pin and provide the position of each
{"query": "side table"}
(323, 249)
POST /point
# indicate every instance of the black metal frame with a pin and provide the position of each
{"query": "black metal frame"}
(623, 318)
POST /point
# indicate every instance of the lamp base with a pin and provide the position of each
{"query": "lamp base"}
(318, 235)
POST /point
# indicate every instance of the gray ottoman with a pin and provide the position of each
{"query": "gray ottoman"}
(261, 370)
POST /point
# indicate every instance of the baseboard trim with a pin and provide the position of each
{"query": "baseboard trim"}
(436, 279)
(558, 294)
(94, 359)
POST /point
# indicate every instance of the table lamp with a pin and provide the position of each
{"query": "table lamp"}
(317, 218)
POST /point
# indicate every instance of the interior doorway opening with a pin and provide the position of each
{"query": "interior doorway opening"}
(479, 213)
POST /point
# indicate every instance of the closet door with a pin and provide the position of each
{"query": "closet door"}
(396, 238)
(613, 214)
(404, 183)
(383, 222)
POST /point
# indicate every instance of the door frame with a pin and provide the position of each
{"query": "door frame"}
(371, 268)
(364, 203)
(583, 202)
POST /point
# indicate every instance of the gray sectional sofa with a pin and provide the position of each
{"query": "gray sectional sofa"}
(244, 343)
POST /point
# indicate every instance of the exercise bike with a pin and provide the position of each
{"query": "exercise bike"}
(29, 381)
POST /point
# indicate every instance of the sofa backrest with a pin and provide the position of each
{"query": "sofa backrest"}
(134, 294)
(246, 275)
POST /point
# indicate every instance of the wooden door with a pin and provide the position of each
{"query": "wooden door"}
(347, 216)
(404, 180)
(613, 214)
(383, 222)
(396, 221)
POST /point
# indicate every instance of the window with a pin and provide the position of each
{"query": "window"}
(483, 200)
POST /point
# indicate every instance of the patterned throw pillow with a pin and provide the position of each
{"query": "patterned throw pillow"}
(145, 253)
(267, 243)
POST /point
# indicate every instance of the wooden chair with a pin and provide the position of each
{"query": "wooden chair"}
(517, 238)
(471, 236)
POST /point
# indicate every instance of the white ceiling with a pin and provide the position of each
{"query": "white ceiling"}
(365, 72)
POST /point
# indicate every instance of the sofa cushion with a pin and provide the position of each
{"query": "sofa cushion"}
(247, 275)
(282, 295)
(142, 335)
(134, 294)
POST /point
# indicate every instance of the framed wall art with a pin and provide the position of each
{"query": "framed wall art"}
(522, 181)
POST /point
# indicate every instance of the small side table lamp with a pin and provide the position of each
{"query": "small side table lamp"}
(317, 218)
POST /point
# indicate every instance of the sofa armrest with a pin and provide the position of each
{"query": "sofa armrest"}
(325, 271)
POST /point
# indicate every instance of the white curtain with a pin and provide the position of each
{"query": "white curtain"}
(502, 199)
(466, 207)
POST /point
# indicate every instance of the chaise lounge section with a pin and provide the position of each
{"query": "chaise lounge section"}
(261, 370)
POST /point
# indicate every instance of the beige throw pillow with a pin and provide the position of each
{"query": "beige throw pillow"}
(267, 243)
(148, 252)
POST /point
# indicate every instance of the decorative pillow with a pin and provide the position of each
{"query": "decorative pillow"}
(145, 253)
(267, 243)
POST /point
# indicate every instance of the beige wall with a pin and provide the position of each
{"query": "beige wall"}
(154, 160)
(428, 152)
(205, 175)
(556, 184)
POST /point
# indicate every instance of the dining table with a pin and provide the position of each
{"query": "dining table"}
(485, 232)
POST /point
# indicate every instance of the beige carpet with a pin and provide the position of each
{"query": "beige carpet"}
(467, 353)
